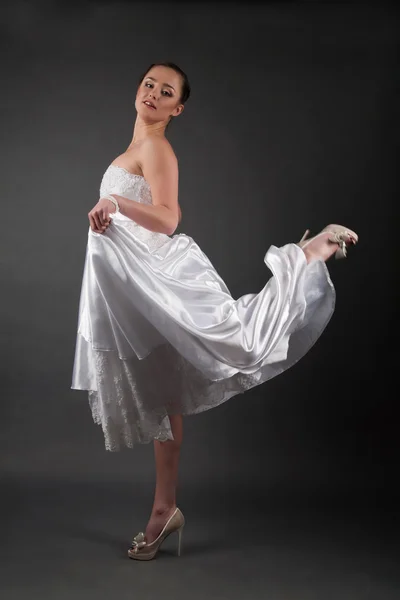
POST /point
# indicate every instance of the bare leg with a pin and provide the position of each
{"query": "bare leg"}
(167, 462)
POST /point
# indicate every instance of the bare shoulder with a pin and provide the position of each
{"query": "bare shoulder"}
(157, 151)
(160, 169)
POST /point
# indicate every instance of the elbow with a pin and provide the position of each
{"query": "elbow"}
(168, 220)
(170, 229)
(171, 225)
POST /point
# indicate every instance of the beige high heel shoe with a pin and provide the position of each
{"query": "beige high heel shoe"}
(338, 235)
(141, 550)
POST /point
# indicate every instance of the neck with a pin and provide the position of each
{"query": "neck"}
(144, 130)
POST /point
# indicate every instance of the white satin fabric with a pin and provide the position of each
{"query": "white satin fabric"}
(159, 332)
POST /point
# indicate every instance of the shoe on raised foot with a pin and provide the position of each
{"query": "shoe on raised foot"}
(141, 550)
(336, 234)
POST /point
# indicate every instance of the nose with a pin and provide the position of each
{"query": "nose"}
(152, 94)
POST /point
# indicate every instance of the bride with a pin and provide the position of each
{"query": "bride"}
(159, 333)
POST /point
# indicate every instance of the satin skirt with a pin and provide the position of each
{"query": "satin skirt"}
(159, 332)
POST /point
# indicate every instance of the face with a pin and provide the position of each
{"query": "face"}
(162, 88)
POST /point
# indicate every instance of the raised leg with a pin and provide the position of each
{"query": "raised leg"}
(167, 462)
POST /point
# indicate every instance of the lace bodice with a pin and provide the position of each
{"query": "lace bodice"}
(117, 180)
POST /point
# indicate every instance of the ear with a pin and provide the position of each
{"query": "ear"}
(178, 110)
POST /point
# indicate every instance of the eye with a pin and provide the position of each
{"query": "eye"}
(168, 93)
(148, 84)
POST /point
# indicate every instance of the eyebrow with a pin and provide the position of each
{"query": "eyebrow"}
(167, 84)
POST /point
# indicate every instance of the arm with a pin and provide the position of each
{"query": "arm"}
(160, 169)
(154, 218)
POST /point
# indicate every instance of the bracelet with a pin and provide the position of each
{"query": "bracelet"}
(114, 201)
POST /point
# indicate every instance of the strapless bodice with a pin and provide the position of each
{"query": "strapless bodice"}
(117, 180)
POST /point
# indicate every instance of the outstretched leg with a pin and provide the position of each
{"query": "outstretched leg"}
(167, 462)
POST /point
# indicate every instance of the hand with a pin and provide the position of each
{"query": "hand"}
(99, 215)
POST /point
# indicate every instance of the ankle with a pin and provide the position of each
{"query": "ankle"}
(162, 509)
(319, 249)
(312, 255)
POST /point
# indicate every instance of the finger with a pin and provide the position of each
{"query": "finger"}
(97, 220)
(93, 225)
(106, 217)
(106, 222)
(101, 216)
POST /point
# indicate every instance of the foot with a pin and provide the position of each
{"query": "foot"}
(328, 242)
(320, 248)
(158, 518)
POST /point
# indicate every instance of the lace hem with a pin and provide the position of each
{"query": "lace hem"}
(134, 398)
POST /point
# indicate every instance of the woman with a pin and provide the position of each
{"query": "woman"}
(159, 334)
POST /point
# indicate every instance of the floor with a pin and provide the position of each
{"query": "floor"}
(64, 540)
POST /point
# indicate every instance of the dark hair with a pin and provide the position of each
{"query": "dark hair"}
(185, 93)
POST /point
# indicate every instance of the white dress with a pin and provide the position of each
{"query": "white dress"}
(159, 332)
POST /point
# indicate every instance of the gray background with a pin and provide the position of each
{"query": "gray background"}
(291, 125)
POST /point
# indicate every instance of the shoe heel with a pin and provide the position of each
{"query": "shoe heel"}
(180, 530)
(307, 231)
(341, 252)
